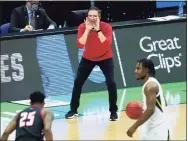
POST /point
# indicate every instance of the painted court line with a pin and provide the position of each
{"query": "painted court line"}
(121, 102)
(8, 113)
(119, 59)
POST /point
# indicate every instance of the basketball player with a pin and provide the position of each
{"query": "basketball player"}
(154, 125)
(33, 123)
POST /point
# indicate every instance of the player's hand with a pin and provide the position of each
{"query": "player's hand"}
(97, 24)
(89, 25)
(131, 131)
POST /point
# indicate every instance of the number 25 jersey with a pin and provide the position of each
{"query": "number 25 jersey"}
(30, 123)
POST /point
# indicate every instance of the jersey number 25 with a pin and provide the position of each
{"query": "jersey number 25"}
(27, 118)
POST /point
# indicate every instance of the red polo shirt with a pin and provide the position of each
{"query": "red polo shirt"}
(94, 49)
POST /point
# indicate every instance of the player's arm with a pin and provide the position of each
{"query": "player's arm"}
(150, 91)
(10, 128)
(48, 118)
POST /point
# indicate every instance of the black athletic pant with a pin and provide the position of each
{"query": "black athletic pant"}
(84, 69)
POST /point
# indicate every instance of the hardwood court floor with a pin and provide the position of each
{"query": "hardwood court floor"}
(98, 127)
(94, 124)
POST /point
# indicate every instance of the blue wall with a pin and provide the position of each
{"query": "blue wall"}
(166, 4)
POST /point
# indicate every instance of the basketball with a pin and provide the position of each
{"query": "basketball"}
(134, 110)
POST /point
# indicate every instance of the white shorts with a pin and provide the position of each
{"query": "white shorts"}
(159, 132)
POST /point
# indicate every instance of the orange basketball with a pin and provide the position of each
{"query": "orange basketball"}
(134, 110)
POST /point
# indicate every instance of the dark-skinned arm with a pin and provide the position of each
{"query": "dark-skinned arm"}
(10, 128)
(150, 91)
(48, 118)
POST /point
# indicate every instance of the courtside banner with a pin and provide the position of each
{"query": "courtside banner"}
(20, 73)
(165, 44)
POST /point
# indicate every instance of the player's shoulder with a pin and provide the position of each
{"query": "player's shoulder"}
(32, 109)
(151, 86)
(47, 111)
(26, 109)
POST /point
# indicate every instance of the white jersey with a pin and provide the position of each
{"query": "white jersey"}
(156, 127)
(158, 116)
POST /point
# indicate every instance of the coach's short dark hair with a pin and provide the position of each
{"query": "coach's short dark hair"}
(37, 97)
(148, 63)
(96, 9)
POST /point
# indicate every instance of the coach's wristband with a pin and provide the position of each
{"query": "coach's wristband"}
(98, 31)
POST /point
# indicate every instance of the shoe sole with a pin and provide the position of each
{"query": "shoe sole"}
(75, 115)
(113, 119)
